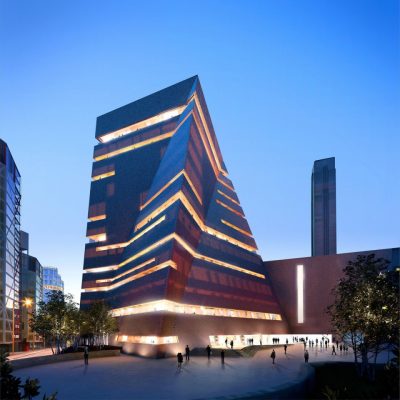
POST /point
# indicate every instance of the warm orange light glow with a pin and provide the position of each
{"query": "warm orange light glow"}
(97, 218)
(27, 302)
(101, 237)
(229, 208)
(102, 176)
(100, 269)
(164, 116)
(183, 172)
(228, 197)
(236, 228)
(132, 278)
(136, 237)
(179, 308)
(180, 196)
(135, 146)
(126, 272)
(148, 339)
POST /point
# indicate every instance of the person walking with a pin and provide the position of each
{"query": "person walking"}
(273, 355)
(86, 355)
(226, 342)
(187, 353)
(179, 356)
(208, 348)
(333, 350)
(285, 348)
(306, 356)
(231, 344)
(222, 357)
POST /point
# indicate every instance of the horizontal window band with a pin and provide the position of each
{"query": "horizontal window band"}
(228, 197)
(103, 176)
(181, 196)
(179, 308)
(97, 217)
(146, 123)
(237, 228)
(152, 340)
(131, 278)
(229, 208)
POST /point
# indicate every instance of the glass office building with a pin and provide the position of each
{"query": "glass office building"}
(51, 282)
(10, 254)
(169, 247)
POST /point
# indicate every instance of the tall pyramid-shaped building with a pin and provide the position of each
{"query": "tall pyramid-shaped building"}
(170, 249)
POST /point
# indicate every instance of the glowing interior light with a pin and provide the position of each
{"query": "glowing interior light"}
(229, 208)
(300, 294)
(228, 197)
(101, 237)
(164, 116)
(148, 339)
(131, 278)
(103, 176)
(183, 172)
(180, 308)
(97, 217)
(180, 196)
(236, 228)
(136, 237)
(135, 146)
(225, 184)
(127, 272)
(100, 269)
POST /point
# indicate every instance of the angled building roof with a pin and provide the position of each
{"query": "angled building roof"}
(146, 107)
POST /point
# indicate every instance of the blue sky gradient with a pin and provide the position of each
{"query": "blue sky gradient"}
(286, 82)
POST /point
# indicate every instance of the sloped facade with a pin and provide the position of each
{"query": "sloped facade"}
(169, 246)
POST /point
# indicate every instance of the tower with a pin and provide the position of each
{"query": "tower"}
(170, 248)
(323, 207)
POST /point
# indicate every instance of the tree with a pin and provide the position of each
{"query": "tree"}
(365, 310)
(98, 322)
(56, 320)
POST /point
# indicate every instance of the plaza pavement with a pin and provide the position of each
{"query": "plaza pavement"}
(128, 377)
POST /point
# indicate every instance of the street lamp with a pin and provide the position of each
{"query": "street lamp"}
(26, 302)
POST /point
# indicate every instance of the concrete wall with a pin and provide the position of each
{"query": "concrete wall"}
(321, 274)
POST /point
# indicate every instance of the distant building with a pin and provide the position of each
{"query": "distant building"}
(31, 295)
(323, 207)
(51, 281)
(10, 200)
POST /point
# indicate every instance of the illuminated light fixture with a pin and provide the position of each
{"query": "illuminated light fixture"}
(180, 196)
(148, 339)
(229, 208)
(236, 228)
(102, 176)
(126, 272)
(142, 143)
(100, 269)
(183, 172)
(101, 237)
(164, 116)
(135, 146)
(136, 237)
(228, 197)
(179, 308)
(97, 218)
(132, 278)
(300, 294)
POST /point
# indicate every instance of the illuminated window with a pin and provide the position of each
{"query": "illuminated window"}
(103, 176)
(300, 294)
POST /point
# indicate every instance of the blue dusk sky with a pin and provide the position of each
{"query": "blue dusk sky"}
(286, 83)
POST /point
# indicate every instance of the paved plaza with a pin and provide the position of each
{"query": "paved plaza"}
(128, 377)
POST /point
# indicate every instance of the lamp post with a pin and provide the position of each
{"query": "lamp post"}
(26, 302)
